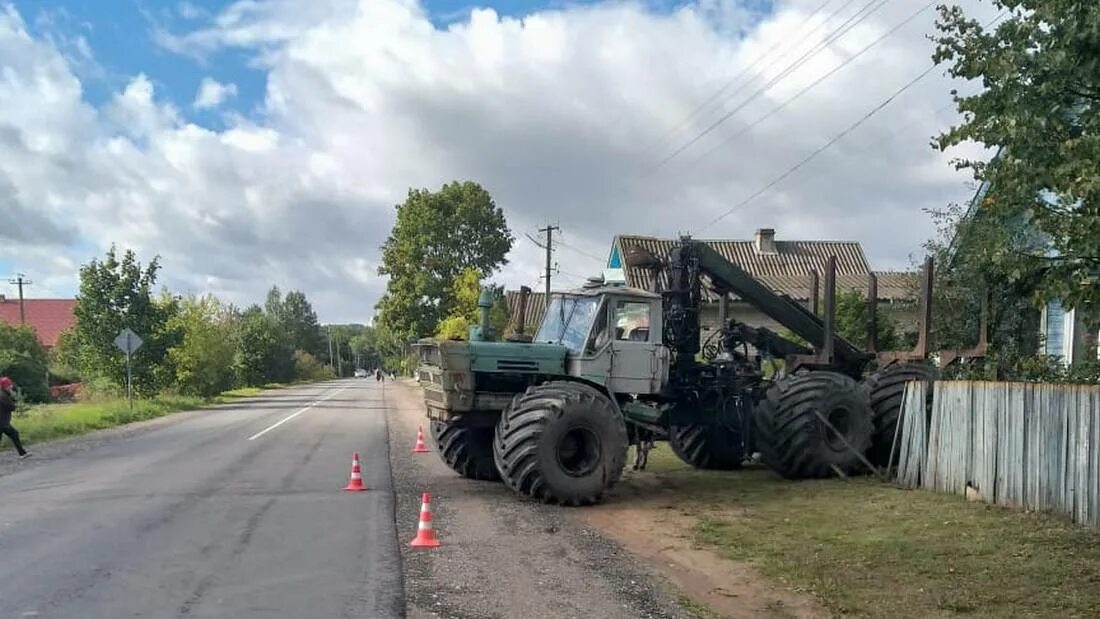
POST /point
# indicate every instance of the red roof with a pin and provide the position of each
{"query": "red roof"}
(48, 317)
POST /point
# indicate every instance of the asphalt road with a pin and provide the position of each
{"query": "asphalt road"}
(231, 512)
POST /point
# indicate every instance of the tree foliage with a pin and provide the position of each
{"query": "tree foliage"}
(465, 313)
(23, 359)
(973, 260)
(436, 237)
(1040, 73)
(364, 346)
(309, 368)
(852, 321)
(294, 314)
(264, 352)
(205, 353)
(115, 294)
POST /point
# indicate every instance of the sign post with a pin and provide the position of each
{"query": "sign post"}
(128, 342)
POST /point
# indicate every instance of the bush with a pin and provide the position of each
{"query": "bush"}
(205, 351)
(309, 368)
(23, 359)
(453, 328)
(1025, 368)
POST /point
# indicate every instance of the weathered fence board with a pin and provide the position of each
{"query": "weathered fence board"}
(1027, 445)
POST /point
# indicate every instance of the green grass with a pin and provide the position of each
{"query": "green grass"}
(869, 549)
(701, 611)
(46, 422)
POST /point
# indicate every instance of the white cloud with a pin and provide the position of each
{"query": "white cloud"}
(560, 115)
(212, 94)
(187, 10)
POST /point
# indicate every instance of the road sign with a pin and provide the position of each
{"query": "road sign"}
(128, 341)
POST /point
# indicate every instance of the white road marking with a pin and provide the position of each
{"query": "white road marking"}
(293, 415)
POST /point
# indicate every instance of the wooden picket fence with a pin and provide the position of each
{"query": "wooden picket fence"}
(1025, 445)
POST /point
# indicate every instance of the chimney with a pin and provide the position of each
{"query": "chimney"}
(765, 241)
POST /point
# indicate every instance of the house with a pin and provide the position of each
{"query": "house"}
(48, 317)
(785, 266)
(1063, 332)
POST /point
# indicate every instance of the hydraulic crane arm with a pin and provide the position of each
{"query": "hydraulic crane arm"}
(695, 258)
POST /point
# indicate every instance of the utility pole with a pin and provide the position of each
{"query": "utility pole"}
(331, 359)
(549, 230)
(21, 281)
(339, 361)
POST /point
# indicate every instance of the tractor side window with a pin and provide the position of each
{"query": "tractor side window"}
(631, 321)
(600, 334)
(579, 324)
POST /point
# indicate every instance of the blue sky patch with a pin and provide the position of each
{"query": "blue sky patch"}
(109, 42)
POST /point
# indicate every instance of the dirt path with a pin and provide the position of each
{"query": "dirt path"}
(503, 556)
(650, 520)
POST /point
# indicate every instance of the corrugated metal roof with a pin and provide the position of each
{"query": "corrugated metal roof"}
(48, 317)
(792, 260)
(536, 307)
(892, 286)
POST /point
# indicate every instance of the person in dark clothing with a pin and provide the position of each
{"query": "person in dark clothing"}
(7, 407)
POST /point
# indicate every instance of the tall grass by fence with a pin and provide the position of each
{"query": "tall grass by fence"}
(1026, 445)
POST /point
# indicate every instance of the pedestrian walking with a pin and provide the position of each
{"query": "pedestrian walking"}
(7, 407)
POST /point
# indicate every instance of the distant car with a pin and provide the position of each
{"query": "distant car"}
(360, 373)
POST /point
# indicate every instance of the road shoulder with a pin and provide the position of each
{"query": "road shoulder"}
(503, 556)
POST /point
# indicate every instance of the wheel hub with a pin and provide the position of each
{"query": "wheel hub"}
(578, 452)
(840, 418)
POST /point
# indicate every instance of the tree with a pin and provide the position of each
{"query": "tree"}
(264, 353)
(437, 235)
(23, 359)
(851, 314)
(206, 351)
(295, 315)
(363, 345)
(466, 291)
(1041, 106)
(978, 254)
(852, 321)
(115, 294)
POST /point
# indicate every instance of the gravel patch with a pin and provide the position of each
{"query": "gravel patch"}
(503, 556)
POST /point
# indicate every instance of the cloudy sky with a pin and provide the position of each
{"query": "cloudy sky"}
(257, 142)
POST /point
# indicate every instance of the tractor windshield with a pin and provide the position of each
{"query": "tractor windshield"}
(567, 321)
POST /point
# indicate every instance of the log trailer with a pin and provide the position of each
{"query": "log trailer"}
(609, 367)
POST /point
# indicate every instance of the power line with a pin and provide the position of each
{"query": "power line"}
(756, 61)
(821, 149)
(813, 84)
(836, 138)
(850, 23)
(578, 250)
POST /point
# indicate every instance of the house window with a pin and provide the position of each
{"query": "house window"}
(1053, 328)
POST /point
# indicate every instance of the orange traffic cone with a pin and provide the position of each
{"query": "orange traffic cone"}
(355, 484)
(420, 446)
(425, 535)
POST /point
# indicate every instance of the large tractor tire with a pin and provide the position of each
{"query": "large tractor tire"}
(793, 440)
(467, 450)
(886, 388)
(561, 442)
(716, 447)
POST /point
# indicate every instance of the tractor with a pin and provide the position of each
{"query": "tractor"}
(610, 367)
